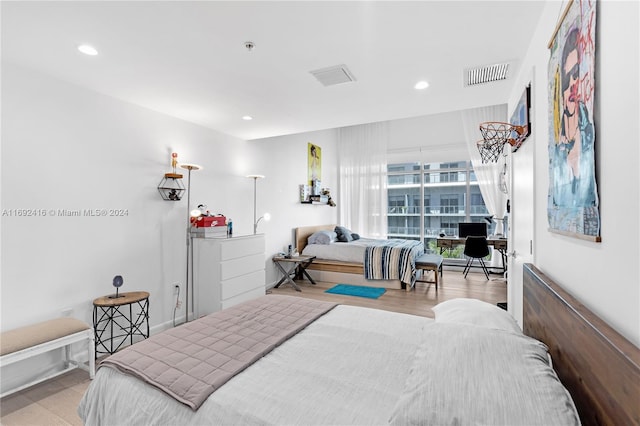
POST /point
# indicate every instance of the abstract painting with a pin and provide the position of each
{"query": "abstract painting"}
(572, 207)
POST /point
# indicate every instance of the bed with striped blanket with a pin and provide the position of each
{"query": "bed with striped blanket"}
(344, 263)
(392, 259)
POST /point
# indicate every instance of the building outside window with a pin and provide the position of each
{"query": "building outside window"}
(428, 199)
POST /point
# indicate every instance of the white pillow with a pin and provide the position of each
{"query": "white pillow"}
(475, 312)
(322, 237)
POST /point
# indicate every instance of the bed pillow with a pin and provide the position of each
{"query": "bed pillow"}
(344, 234)
(465, 375)
(355, 236)
(322, 237)
(475, 312)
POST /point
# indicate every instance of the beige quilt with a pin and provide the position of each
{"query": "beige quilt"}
(191, 361)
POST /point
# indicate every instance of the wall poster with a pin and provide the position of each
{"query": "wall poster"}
(314, 164)
(572, 207)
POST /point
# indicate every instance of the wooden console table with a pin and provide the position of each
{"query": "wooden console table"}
(500, 244)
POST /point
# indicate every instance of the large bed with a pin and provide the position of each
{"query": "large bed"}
(352, 365)
(345, 262)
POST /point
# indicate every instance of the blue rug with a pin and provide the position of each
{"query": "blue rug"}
(357, 290)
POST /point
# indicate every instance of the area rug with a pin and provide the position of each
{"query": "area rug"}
(356, 290)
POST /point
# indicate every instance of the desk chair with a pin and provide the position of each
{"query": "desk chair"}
(476, 247)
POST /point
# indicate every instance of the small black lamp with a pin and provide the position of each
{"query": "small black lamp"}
(117, 283)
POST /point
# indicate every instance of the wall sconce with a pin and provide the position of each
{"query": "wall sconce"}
(266, 217)
(171, 187)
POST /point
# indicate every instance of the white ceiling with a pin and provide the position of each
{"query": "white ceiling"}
(187, 59)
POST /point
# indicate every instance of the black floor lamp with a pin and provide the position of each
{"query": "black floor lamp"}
(189, 167)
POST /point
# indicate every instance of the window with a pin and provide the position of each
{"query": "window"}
(449, 193)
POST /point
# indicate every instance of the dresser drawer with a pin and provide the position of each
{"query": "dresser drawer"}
(241, 266)
(240, 247)
(445, 243)
(242, 284)
(252, 294)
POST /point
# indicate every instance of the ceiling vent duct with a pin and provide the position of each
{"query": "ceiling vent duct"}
(486, 74)
(333, 75)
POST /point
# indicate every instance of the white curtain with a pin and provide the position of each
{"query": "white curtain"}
(362, 158)
(488, 174)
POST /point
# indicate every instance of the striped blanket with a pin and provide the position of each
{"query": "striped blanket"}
(392, 260)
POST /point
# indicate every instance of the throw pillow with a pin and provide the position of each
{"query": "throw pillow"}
(344, 235)
(322, 237)
(475, 312)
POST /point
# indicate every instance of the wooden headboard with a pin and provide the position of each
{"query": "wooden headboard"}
(304, 232)
(599, 367)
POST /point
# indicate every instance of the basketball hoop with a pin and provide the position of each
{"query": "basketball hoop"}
(495, 135)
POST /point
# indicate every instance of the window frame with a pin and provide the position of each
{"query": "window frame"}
(456, 172)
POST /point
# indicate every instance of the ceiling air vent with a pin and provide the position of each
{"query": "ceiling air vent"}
(333, 75)
(486, 74)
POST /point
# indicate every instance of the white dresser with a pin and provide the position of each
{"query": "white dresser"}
(227, 271)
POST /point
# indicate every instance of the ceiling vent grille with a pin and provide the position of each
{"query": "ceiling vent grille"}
(333, 75)
(486, 74)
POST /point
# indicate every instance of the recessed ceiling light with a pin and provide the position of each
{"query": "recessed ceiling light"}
(421, 85)
(247, 118)
(88, 50)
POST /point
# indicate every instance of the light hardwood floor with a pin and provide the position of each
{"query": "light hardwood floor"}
(54, 402)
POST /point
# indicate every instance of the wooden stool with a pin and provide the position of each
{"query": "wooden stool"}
(430, 262)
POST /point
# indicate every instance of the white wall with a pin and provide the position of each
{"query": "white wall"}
(64, 147)
(604, 276)
(283, 161)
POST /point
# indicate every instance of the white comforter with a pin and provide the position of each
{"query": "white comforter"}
(365, 367)
(352, 251)
(348, 367)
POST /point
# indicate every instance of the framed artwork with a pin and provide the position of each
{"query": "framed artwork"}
(314, 161)
(521, 117)
(572, 207)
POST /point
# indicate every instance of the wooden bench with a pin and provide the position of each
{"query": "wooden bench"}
(430, 262)
(26, 342)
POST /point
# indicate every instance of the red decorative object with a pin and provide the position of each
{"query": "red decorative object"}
(208, 221)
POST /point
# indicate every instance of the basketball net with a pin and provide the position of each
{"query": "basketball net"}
(495, 135)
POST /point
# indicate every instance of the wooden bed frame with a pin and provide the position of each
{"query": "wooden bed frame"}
(304, 232)
(599, 367)
(335, 270)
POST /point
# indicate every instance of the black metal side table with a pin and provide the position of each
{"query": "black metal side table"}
(118, 319)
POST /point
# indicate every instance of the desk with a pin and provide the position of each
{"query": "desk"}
(500, 244)
(300, 265)
(116, 315)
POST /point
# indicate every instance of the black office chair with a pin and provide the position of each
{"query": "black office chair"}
(476, 247)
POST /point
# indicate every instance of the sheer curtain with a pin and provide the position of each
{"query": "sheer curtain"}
(362, 159)
(488, 174)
